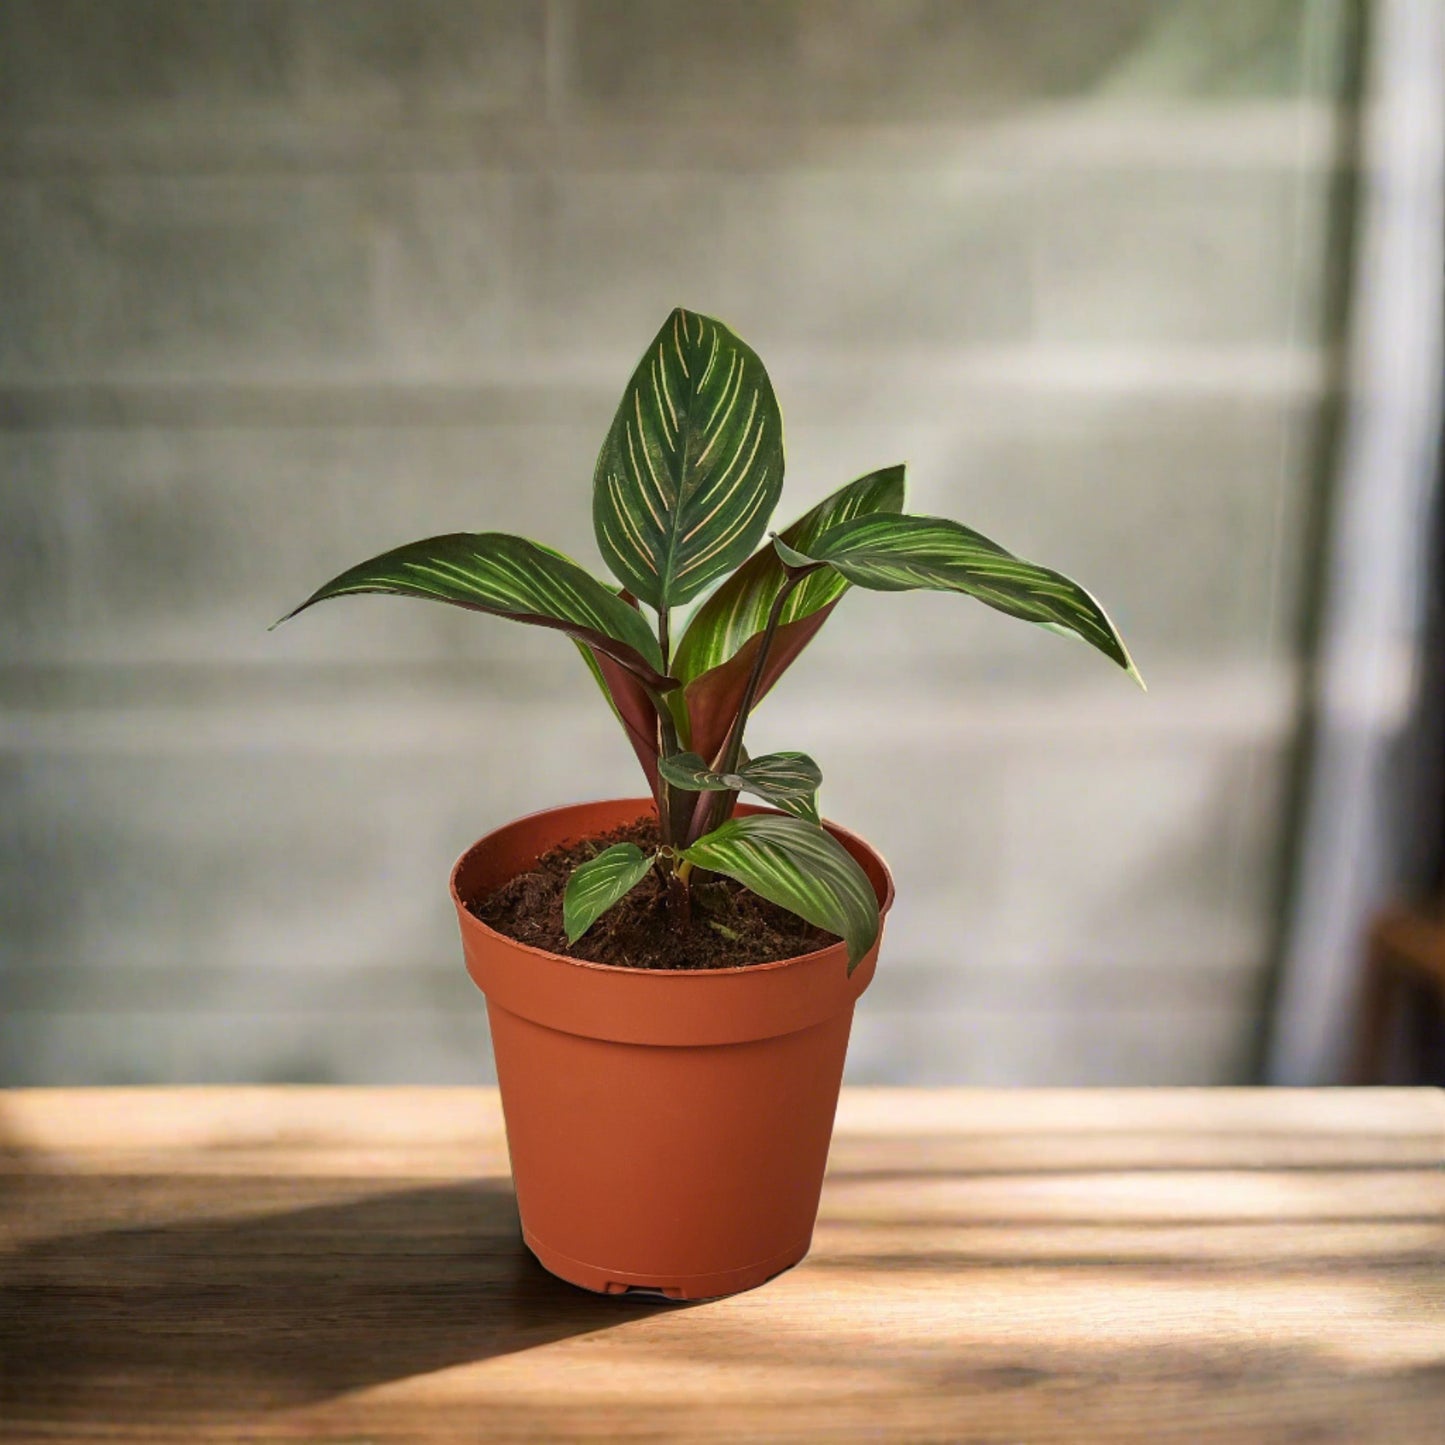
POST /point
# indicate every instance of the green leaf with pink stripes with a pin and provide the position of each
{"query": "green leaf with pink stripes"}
(800, 867)
(510, 577)
(693, 463)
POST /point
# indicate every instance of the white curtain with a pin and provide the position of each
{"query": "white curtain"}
(1353, 856)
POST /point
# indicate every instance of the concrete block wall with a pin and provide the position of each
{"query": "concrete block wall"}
(283, 283)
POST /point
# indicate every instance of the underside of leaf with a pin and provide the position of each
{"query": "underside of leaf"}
(712, 700)
(738, 610)
(632, 707)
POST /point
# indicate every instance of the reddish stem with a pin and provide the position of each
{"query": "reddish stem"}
(713, 808)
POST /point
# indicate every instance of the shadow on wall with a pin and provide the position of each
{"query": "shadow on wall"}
(225, 1317)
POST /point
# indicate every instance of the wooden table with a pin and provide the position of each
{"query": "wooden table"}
(344, 1265)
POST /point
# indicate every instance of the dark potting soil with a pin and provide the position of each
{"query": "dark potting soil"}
(730, 926)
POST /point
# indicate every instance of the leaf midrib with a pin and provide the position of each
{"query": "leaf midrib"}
(688, 437)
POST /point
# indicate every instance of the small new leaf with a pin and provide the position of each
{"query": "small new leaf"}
(800, 867)
(902, 553)
(791, 557)
(788, 780)
(599, 883)
(691, 773)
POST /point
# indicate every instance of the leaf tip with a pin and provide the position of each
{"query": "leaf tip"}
(791, 558)
(1126, 661)
(296, 611)
(860, 948)
(900, 469)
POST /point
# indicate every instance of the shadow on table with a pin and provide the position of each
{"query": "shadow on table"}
(232, 1315)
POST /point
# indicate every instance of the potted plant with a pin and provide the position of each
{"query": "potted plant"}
(670, 980)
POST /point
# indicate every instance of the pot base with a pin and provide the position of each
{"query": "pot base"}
(676, 1287)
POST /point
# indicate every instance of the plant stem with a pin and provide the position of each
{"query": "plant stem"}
(679, 894)
(667, 740)
(733, 749)
(717, 806)
(667, 745)
(679, 902)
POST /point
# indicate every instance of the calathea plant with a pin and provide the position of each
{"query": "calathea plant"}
(685, 485)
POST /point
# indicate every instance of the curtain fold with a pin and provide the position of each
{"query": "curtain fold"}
(1354, 851)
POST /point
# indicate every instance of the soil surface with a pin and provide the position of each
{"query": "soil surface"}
(730, 926)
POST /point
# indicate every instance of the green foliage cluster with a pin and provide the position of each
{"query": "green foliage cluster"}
(684, 488)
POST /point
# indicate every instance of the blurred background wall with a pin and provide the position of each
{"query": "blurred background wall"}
(283, 284)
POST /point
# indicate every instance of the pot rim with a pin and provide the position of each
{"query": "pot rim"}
(645, 806)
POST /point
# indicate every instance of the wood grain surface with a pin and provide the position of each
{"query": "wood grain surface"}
(1005, 1268)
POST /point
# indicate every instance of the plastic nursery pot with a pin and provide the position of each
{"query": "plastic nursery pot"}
(668, 1131)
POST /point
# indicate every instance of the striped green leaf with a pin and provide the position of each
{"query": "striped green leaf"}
(692, 466)
(738, 610)
(799, 866)
(509, 577)
(789, 780)
(900, 554)
(599, 883)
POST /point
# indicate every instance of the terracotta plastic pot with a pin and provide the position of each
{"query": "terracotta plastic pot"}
(668, 1130)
